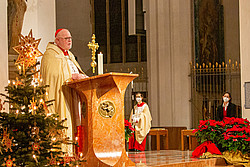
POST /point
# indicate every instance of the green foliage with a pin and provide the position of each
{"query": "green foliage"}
(29, 128)
(128, 130)
(236, 135)
(229, 134)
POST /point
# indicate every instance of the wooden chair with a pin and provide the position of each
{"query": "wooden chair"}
(159, 132)
(189, 133)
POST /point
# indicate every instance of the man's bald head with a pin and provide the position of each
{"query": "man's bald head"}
(63, 39)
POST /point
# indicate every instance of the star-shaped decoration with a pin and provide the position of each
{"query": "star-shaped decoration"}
(58, 135)
(27, 50)
(5, 134)
(36, 147)
(66, 159)
(9, 162)
(52, 160)
(8, 143)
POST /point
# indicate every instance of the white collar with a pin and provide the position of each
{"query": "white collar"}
(225, 105)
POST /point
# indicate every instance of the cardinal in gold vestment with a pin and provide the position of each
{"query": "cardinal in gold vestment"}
(57, 66)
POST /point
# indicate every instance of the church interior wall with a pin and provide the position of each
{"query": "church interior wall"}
(75, 16)
(244, 14)
(3, 46)
(169, 53)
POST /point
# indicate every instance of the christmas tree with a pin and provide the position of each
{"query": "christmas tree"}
(30, 134)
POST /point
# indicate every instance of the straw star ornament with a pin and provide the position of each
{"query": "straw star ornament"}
(27, 50)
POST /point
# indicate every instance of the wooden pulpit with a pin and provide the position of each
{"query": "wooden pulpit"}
(103, 119)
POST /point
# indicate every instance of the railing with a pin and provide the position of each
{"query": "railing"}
(208, 83)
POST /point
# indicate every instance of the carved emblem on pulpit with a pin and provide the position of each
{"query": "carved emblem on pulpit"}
(106, 109)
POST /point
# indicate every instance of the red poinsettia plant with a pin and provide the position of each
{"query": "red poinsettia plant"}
(229, 134)
(209, 130)
(129, 130)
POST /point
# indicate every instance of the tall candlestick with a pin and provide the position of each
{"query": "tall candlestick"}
(94, 47)
(100, 63)
(209, 107)
(132, 83)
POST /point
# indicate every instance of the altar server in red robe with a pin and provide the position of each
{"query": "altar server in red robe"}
(141, 118)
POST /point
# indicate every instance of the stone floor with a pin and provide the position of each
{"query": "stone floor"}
(171, 158)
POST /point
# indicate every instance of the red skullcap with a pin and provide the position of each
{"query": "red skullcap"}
(57, 31)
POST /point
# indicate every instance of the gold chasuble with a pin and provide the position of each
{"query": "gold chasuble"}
(142, 114)
(55, 70)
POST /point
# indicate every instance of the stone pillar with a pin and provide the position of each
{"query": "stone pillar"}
(244, 14)
(40, 16)
(3, 46)
(231, 30)
(169, 43)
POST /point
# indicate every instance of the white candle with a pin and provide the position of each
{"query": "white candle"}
(19, 69)
(100, 63)
(35, 158)
(34, 88)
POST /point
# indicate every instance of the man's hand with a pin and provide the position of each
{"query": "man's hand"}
(79, 76)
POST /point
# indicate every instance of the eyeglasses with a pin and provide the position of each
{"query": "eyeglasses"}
(66, 38)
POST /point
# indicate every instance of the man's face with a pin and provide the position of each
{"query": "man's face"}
(64, 39)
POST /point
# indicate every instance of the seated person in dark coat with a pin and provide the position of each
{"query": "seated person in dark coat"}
(226, 109)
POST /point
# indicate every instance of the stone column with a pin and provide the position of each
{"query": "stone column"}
(41, 18)
(244, 15)
(3, 46)
(169, 43)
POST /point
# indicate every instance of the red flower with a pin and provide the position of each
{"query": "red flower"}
(195, 130)
(213, 123)
(248, 139)
(231, 133)
(238, 136)
(126, 122)
(129, 125)
(204, 127)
